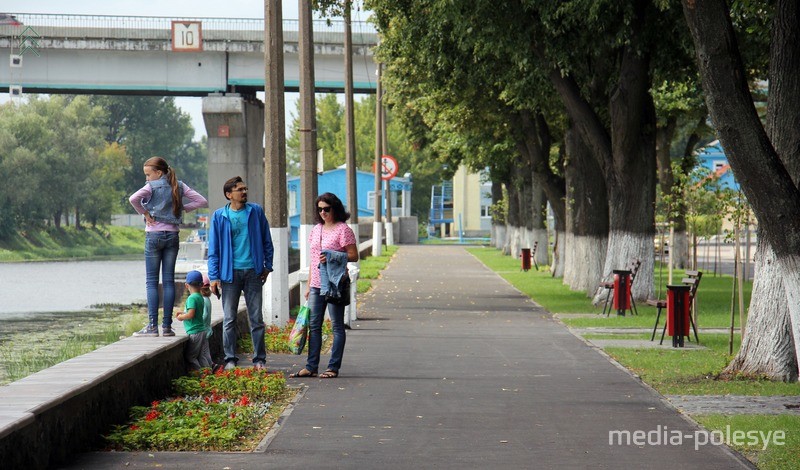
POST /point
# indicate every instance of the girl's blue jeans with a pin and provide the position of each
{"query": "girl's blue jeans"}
(317, 305)
(160, 253)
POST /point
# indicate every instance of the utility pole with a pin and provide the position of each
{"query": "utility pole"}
(387, 190)
(308, 131)
(277, 286)
(349, 122)
(377, 225)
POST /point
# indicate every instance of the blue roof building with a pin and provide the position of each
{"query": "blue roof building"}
(713, 158)
(335, 181)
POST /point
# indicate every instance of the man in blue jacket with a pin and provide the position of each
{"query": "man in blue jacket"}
(240, 259)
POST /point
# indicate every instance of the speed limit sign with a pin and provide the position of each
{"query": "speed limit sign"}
(389, 167)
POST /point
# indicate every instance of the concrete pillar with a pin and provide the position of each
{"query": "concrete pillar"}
(235, 129)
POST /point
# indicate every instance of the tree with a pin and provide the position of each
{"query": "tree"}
(51, 147)
(680, 109)
(191, 164)
(147, 126)
(105, 188)
(765, 162)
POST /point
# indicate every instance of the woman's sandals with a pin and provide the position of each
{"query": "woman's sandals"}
(303, 373)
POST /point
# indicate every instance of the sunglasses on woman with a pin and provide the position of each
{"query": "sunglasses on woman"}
(323, 209)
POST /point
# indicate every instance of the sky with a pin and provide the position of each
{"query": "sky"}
(178, 8)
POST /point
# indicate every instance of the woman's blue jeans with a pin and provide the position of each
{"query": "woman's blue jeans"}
(160, 253)
(317, 305)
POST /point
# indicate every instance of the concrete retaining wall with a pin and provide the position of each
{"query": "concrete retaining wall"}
(49, 416)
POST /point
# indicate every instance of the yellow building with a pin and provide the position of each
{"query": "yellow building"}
(460, 208)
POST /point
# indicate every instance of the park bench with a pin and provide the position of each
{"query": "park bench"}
(633, 266)
(692, 280)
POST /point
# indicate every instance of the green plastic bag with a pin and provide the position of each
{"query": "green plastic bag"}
(299, 333)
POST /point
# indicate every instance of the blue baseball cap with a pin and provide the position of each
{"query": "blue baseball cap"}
(195, 278)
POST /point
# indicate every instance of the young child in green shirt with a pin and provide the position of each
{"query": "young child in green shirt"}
(197, 352)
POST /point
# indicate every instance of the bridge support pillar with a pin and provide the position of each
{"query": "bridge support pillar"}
(235, 128)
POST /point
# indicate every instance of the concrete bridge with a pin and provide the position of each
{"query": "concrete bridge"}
(152, 55)
(219, 59)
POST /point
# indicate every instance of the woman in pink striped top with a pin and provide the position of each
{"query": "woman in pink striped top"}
(330, 237)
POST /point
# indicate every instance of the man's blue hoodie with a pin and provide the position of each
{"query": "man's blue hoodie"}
(220, 250)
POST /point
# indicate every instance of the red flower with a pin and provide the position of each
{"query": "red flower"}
(244, 401)
(153, 414)
(134, 427)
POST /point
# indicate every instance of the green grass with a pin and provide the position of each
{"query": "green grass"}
(713, 296)
(694, 372)
(639, 336)
(774, 456)
(69, 243)
(371, 267)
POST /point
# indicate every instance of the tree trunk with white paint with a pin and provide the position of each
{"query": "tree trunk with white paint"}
(557, 268)
(767, 349)
(680, 249)
(534, 142)
(506, 248)
(764, 161)
(500, 236)
(538, 232)
(624, 151)
(587, 217)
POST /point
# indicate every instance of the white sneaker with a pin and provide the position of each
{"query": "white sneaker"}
(147, 331)
(230, 365)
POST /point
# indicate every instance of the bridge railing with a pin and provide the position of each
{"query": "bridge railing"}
(159, 28)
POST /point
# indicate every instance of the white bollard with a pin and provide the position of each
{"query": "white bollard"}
(350, 312)
(389, 233)
(377, 238)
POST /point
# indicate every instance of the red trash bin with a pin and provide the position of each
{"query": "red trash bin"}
(678, 321)
(622, 291)
(526, 259)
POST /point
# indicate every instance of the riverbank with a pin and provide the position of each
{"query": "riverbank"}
(55, 337)
(51, 244)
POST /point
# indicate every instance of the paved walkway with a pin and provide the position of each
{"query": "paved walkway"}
(451, 367)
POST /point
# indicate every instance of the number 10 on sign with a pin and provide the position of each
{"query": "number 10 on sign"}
(187, 36)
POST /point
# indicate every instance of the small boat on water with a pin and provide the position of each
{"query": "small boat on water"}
(192, 256)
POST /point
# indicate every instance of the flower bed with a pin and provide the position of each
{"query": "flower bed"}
(222, 411)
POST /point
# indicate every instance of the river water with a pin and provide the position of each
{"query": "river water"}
(34, 295)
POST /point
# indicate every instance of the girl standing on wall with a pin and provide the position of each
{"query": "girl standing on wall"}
(162, 201)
